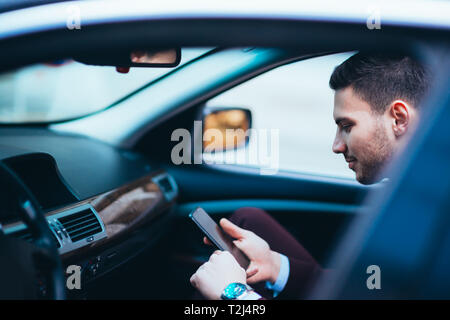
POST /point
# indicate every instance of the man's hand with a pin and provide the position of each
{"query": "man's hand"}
(264, 263)
(213, 276)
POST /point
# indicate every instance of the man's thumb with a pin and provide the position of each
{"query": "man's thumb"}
(232, 229)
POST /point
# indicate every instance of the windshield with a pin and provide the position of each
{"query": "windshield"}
(67, 89)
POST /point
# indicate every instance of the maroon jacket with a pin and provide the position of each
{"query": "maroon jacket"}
(303, 268)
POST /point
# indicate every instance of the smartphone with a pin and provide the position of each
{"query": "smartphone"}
(217, 236)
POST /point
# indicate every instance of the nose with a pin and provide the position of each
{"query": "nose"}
(339, 145)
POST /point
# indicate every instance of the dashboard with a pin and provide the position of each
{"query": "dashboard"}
(103, 205)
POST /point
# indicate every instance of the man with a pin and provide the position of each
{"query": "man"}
(376, 105)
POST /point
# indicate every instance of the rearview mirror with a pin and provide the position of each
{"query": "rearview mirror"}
(225, 128)
(146, 58)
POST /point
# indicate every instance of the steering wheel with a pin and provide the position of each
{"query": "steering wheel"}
(27, 270)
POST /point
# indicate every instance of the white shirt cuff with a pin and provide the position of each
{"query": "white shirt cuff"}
(282, 278)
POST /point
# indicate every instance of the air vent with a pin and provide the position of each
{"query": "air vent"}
(24, 234)
(81, 225)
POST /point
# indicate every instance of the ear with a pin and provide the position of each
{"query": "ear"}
(401, 113)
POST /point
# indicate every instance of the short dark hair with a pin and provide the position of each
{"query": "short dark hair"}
(380, 78)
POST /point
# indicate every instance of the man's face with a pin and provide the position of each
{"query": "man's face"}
(362, 135)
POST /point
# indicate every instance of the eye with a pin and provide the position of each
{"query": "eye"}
(347, 127)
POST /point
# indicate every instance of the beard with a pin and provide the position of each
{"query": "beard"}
(374, 157)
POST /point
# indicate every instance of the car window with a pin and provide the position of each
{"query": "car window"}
(67, 89)
(294, 100)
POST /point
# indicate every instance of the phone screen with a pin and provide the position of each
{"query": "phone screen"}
(217, 236)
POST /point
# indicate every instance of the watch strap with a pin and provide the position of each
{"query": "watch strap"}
(249, 295)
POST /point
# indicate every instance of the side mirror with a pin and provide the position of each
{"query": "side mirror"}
(225, 128)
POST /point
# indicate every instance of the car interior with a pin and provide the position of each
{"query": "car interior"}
(122, 215)
(114, 203)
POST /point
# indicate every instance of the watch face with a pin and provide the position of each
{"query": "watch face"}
(233, 290)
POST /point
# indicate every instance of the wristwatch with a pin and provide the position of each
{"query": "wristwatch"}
(239, 291)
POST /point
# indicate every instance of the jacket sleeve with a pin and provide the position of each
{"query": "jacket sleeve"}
(302, 276)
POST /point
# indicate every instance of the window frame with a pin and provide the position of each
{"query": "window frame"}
(236, 168)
